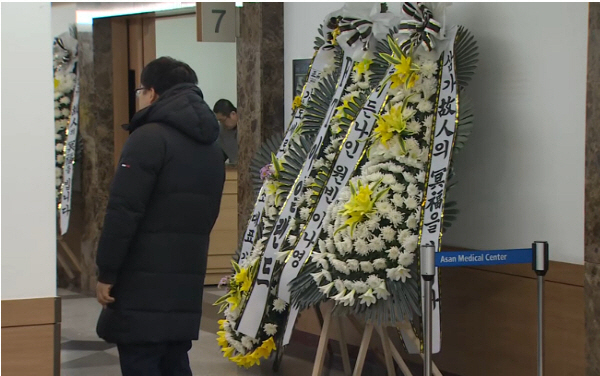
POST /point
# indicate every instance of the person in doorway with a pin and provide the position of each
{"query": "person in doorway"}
(163, 203)
(228, 118)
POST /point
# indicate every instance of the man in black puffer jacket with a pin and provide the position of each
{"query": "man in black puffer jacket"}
(163, 203)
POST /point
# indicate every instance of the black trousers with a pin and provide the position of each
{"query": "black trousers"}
(164, 359)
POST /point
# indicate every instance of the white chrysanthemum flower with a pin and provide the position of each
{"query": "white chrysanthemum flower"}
(360, 287)
(396, 169)
(429, 68)
(374, 281)
(399, 188)
(374, 177)
(60, 159)
(361, 232)
(281, 256)
(406, 259)
(412, 189)
(428, 122)
(58, 182)
(340, 266)
(412, 145)
(60, 147)
(60, 125)
(402, 235)
(323, 263)
(279, 304)
(330, 245)
(411, 203)
(380, 264)
(331, 257)
(330, 157)
(398, 200)
(326, 290)
(377, 244)
(363, 85)
(339, 285)
(57, 114)
(410, 243)
(65, 100)
(408, 177)
(350, 96)
(348, 285)
(421, 177)
(58, 172)
(367, 266)
(361, 247)
(389, 179)
(346, 246)
(352, 265)
(425, 106)
(368, 298)
(66, 112)
(413, 126)
(247, 342)
(388, 233)
(272, 211)
(330, 230)
(270, 329)
(393, 253)
(304, 213)
(384, 206)
(308, 196)
(348, 300)
(412, 222)
(321, 246)
(292, 238)
(395, 217)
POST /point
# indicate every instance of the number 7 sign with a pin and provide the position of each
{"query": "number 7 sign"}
(215, 22)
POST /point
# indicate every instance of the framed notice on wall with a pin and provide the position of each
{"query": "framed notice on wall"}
(216, 22)
(300, 69)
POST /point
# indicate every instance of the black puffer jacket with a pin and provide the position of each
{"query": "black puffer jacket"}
(163, 203)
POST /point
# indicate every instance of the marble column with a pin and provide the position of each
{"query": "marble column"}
(592, 197)
(260, 90)
(96, 127)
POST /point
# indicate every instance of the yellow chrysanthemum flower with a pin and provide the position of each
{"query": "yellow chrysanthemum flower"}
(336, 32)
(363, 66)
(391, 124)
(297, 102)
(405, 73)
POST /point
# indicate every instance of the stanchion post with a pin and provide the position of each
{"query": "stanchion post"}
(540, 266)
(428, 274)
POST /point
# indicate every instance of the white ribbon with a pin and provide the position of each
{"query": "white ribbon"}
(441, 153)
(350, 155)
(322, 58)
(71, 145)
(253, 311)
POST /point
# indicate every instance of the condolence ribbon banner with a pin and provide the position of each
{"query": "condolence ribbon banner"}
(481, 258)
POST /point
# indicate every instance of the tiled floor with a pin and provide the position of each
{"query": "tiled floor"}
(84, 354)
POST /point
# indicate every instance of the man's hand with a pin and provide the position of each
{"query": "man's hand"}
(103, 294)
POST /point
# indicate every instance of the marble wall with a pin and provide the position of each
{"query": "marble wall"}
(96, 127)
(592, 197)
(260, 90)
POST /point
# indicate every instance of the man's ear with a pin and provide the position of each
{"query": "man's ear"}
(153, 95)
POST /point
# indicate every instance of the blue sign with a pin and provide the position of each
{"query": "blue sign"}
(481, 258)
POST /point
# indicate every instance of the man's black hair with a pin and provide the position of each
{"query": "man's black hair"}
(165, 72)
(224, 107)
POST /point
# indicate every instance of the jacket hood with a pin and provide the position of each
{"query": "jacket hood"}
(183, 108)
